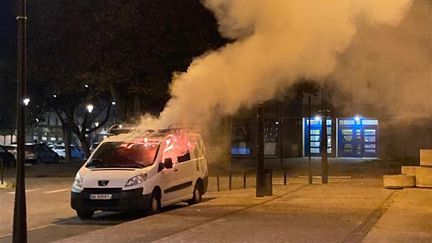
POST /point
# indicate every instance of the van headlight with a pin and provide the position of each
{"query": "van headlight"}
(78, 181)
(136, 180)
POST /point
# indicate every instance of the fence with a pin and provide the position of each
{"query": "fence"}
(241, 180)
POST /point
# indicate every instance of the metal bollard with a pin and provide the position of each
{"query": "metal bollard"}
(2, 170)
(230, 181)
(217, 182)
(244, 180)
(285, 177)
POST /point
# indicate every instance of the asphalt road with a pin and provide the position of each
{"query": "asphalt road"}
(49, 216)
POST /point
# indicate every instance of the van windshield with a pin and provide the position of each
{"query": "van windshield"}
(124, 155)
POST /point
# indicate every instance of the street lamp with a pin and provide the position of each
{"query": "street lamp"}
(357, 119)
(90, 108)
(26, 101)
(20, 209)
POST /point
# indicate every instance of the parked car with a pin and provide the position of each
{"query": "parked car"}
(76, 153)
(11, 148)
(148, 172)
(7, 157)
(40, 153)
(35, 153)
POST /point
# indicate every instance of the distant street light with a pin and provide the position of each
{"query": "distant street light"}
(90, 108)
(113, 103)
(86, 85)
(357, 118)
(54, 96)
(96, 124)
(26, 101)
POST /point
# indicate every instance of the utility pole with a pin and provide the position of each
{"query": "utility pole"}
(309, 138)
(324, 161)
(260, 190)
(280, 130)
(20, 213)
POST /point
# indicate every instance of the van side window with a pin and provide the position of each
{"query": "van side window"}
(184, 157)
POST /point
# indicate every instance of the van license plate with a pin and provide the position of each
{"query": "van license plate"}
(100, 196)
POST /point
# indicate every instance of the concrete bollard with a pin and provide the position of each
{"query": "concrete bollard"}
(408, 170)
(398, 181)
(424, 176)
(426, 157)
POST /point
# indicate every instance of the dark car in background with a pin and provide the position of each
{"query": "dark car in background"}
(36, 153)
(40, 153)
(7, 157)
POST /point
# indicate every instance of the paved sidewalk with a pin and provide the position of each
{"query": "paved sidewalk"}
(409, 219)
(350, 211)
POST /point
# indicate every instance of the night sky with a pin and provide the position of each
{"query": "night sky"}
(7, 28)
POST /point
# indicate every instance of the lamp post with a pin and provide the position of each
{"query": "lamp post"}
(90, 108)
(324, 159)
(310, 179)
(20, 211)
(260, 152)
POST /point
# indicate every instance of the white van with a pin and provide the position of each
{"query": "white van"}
(147, 171)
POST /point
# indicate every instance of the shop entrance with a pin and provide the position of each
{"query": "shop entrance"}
(357, 137)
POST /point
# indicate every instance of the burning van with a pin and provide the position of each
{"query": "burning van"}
(146, 171)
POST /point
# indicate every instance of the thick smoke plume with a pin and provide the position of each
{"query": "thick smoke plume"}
(390, 69)
(275, 43)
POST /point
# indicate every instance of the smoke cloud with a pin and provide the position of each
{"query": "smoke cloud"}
(390, 69)
(275, 43)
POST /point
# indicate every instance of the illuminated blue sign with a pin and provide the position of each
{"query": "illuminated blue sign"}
(357, 137)
(312, 138)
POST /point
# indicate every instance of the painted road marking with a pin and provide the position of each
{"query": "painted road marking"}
(61, 190)
(29, 190)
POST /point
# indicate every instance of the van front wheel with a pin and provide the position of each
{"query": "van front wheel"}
(155, 203)
(197, 195)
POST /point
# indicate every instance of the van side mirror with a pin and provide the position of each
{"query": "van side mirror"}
(168, 164)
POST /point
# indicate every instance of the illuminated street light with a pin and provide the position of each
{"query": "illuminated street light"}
(86, 85)
(357, 118)
(113, 103)
(96, 124)
(37, 120)
(26, 101)
(54, 95)
(90, 108)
